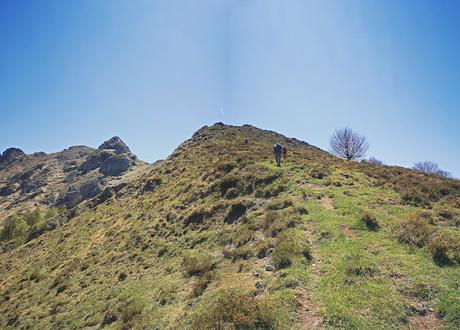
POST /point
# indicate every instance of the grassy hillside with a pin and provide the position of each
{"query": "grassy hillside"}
(217, 237)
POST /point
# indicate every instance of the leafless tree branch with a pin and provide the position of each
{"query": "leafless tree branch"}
(348, 144)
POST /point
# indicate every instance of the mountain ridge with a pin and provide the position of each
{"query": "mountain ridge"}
(217, 236)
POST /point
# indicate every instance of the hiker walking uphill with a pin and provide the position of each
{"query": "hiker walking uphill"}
(277, 151)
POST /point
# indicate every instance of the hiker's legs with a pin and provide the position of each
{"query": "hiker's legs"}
(278, 159)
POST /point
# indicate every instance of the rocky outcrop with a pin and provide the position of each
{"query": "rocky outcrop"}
(116, 165)
(69, 178)
(115, 144)
(113, 158)
(96, 160)
(11, 155)
(9, 189)
(80, 192)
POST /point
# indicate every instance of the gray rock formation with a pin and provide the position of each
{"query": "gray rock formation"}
(116, 165)
(96, 160)
(10, 155)
(113, 158)
(115, 144)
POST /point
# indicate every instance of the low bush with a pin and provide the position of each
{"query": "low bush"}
(229, 182)
(13, 227)
(234, 308)
(456, 251)
(241, 253)
(33, 217)
(264, 247)
(225, 167)
(274, 223)
(236, 211)
(201, 283)
(197, 216)
(414, 231)
(271, 191)
(196, 264)
(319, 173)
(290, 246)
(231, 193)
(279, 204)
(358, 266)
(131, 311)
(449, 308)
(269, 218)
(301, 210)
(439, 246)
(17, 226)
(370, 221)
(415, 197)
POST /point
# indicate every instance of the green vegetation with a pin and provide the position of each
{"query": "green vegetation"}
(17, 226)
(13, 227)
(291, 246)
(235, 308)
(228, 240)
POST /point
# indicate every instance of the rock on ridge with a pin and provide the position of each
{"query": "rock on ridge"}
(11, 154)
(112, 158)
(117, 144)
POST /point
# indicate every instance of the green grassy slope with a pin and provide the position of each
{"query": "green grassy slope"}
(217, 237)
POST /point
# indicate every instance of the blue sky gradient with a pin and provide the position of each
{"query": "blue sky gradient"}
(153, 72)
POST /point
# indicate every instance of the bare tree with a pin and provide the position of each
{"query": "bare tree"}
(374, 161)
(348, 144)
(428, 167)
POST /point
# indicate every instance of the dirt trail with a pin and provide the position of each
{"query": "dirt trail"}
(326, 202)
(309, 314)
(348, 231)
(424, 322)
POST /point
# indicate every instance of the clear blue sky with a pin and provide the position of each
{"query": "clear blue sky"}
(152, 72)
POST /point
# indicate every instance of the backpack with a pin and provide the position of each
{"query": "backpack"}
(277, 148)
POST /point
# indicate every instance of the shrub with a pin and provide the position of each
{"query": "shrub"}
(197, 216)
(318, 173)
(236, 211)
(269, 218)
(449, 308)
(370, 221)
(271, 191)
(131, 310)
(226, 167)
(446, 214)
(201, 283)
(279, 204)
(374, 161)
(414, 231)
(275, 223)
(415, 197)
(358, 266)
(33, 217)
(456, 253)
(290, 246)
(233, 308)
(242, 252)
(197, 264)
(264, 247)
(228, 182)
(13, 227)
(282, 225)
(439, 246)
(301, 210)
(231, 193)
